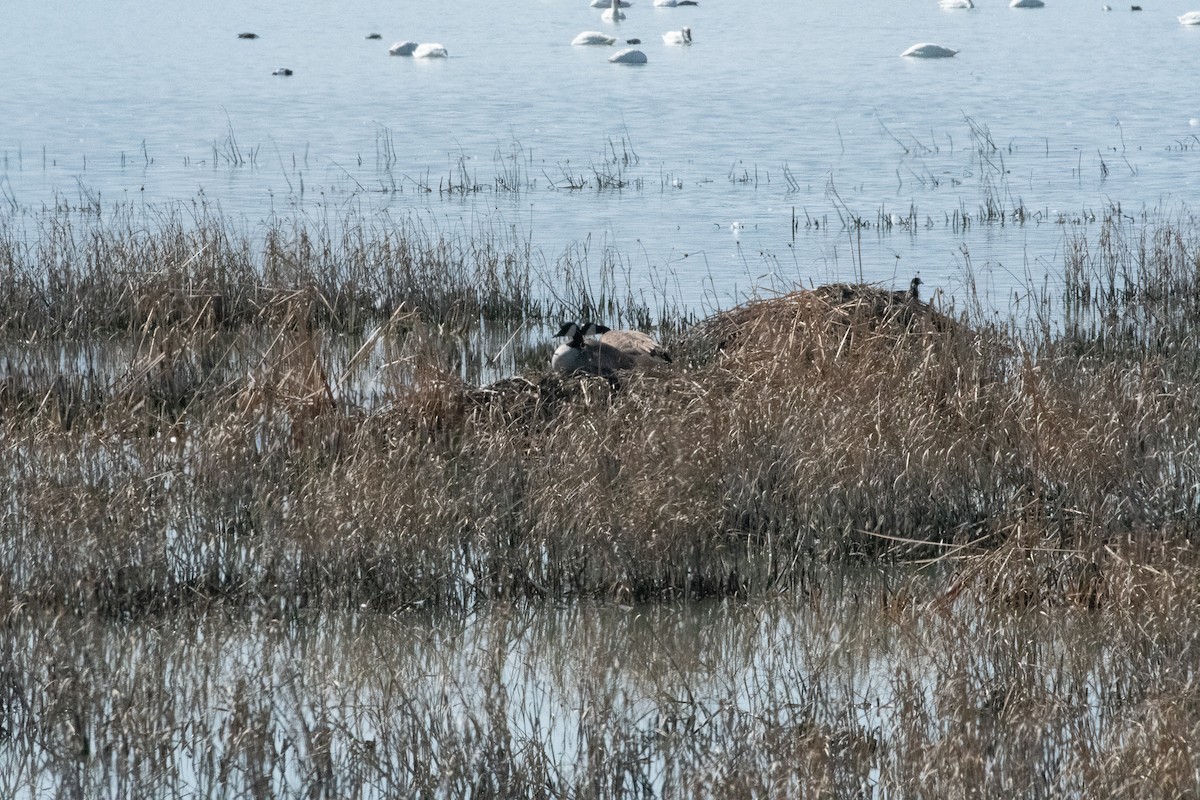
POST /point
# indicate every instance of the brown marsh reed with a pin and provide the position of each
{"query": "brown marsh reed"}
(169, 466)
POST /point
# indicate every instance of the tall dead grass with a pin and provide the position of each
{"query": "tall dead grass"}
(194, 497)
(184, 460)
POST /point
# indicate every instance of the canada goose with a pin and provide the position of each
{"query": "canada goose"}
(641, 347)
(927, 50)
(609, 351)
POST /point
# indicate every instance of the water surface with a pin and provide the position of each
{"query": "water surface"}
(777, 112)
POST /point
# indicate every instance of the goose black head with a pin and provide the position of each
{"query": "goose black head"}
(913, 291)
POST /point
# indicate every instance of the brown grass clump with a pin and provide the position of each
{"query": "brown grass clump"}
(284, 457)
(847, 545)
(827, 320)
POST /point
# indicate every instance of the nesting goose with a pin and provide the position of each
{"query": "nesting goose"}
(609, 351)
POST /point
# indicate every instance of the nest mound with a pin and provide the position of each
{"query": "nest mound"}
(837, 316)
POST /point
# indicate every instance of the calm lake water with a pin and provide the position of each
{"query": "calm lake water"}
(778, 111)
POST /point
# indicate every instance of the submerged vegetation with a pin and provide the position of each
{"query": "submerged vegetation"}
(212, 439)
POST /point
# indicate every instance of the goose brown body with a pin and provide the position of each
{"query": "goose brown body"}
(606, 353)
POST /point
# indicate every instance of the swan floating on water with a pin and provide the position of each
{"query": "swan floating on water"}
(594, 37)
(608, 3)
(928, 50)
(402, 49)
(956, 4)
(1190, 18)
(1026, 4)
(678, 37)
(613, 13)
(432, 50)
(628, 56)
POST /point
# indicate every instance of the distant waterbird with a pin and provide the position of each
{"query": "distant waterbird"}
(282, 71)
(628, 56)
(432, 50)
(247, 35)
(594, 37)
(404, 48)
(613, 13)
(1026, 4)
(683, 36)
(374, 36)
(1190, 18)
(956, 4)
(928, 50)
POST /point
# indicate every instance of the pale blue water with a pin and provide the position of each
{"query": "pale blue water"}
(777, 109)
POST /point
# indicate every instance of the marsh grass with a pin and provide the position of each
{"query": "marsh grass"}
(194, 429)
(273, 445)
(864, 689)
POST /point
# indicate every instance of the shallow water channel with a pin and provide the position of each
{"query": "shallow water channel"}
(843, 688)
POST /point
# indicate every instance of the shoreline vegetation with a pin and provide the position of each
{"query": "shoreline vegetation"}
(196, 421)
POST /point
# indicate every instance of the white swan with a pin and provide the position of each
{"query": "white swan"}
(402, 48)
(593, 37)
(678, 37)
(1190, 18)
(608, 3)
(956, 4)
(430, 51)
(928, 50)
(1026, 4)
(613, 13)
(628, 56)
